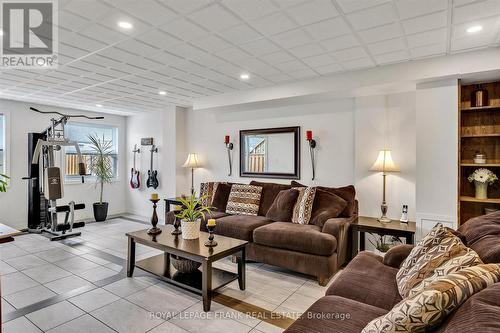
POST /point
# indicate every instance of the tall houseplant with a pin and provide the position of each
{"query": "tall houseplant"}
(191, 214)
(101, 167)
(3, 182)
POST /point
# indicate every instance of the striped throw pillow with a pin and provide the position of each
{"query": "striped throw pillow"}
(244, 200)
(303, 207)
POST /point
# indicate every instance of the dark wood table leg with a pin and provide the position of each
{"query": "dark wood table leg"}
(362, 238)
(167, 206)
(410, 239)
(206, 284)
(130, 257)
(355, 242)
(166, 264)
(242, 269)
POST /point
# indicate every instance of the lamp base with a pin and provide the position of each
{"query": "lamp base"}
(384, 220)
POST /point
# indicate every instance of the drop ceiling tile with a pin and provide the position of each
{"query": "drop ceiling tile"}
(412, 8)
(71, 51)
(426, 38)
(72, 22)
(117, 54)
(488, 34)
(188, 51)
(328, 29)
(348, 54)
(339, 43)
(260, 47)
(387, 46)
(307, 50)
(277, 57)
(273, 24)
(184, 6)
(114, 16)
(329, 69)
(148, 11)
(83, 42)
(304, 74)
(388, 31)
(137, 47)
(313, 11)
(465, 43)
(234, 55)
(358, 64)
(476, 11)
(424, 23)
(427, 51)
(319, 60)
(92, 10)
(372, 17)
(214, 18)
(293, 65)
(391, 57)
(167, 58)
(353, 5)
(250, 9)
(103, 34)
(211, 43)
(258, 66)
(184, 29)
(291, 38)
(240, 34)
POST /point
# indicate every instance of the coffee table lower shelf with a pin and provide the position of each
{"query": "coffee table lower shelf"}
(192, 281)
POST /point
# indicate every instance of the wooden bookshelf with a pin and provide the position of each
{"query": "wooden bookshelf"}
(479, 131)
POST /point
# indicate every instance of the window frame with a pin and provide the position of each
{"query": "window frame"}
(6, 144)
(76, 179)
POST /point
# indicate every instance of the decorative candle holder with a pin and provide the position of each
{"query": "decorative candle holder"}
(177, 224)
(154, 219)
(229, 147)
(312, 146)
(210, 242)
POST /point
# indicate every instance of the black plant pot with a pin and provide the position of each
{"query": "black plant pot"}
(100, 211)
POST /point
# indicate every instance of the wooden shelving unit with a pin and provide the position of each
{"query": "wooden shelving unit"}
(479, 131)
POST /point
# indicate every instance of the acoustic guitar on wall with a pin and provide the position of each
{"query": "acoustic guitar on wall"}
(152, 173)
(135, 177)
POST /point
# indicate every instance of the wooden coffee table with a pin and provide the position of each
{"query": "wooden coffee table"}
(203, 282)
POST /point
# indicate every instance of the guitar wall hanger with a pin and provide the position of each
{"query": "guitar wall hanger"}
(135, 177)
(152, 173)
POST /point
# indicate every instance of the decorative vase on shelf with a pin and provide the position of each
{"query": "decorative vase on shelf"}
(190, 230)
(481, 190)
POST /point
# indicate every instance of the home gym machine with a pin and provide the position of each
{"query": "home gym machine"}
(45, 184)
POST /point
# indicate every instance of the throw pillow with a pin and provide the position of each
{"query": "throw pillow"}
(207, 191)
(303, 207)
(429, 307)
(437, 247)
(221, 197)
(326, 206)
(282, 207)
(244, 200)
(269, 193)
(348, 193)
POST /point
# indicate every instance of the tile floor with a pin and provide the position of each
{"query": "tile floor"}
(79, 285)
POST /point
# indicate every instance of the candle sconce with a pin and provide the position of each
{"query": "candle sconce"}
(312, 146)
(229, 147)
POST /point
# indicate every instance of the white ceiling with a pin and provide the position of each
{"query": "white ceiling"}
(195, 48)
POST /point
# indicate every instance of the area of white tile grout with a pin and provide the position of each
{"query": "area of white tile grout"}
(34, 269)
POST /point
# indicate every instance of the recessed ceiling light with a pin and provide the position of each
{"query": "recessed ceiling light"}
(474, 28)
(244, 76)
(125, 25)
(161, 92)
(99, 105)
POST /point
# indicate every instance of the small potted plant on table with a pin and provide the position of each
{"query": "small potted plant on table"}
(101, 167)
(191, 214)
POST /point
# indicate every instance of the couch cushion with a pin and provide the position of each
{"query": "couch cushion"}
(296, 237)
(326, 206)
(269, 193)
(221, 196)
(348, 193)
(282, 207)
(333, 314)
(215, 215)
(244, 200)
(367, 280)
(240, 226)
(302, 209)
(482, 234)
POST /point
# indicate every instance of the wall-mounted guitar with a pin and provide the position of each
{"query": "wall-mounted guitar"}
(152, 174)
(135, 177)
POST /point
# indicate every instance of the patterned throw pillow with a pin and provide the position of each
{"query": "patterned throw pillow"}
(207, 192)
(429, 307)
(469, 259)
(244, 200)
(437, 247)
(303, 207)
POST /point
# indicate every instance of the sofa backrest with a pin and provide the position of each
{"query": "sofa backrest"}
(482, 234)
(269, 193)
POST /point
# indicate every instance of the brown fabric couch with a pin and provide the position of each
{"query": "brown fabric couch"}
(314, 250)
(366, 289)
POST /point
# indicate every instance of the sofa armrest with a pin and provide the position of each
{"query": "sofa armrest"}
(339, 228)
(397, 254)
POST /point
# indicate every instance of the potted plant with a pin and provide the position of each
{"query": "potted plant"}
(191, 214)
(482, 178)
(3, 182)
(102, 168)
(384, 243)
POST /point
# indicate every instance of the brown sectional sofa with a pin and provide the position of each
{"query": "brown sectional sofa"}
(308, 249)
(367, 289)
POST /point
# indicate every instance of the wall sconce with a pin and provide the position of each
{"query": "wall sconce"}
(229, 147)
(312, 146)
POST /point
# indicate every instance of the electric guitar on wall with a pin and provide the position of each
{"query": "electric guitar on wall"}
(135, 179)
(152, 174)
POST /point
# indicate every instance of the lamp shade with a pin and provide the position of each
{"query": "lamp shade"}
(192, 161)
(384, 162)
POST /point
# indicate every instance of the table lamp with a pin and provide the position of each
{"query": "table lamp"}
(384, 164)
(192, 162)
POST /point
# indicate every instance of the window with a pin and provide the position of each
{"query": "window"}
(2, 144)
(80, 132)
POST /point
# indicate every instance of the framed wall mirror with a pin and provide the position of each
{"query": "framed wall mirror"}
(270, 153)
